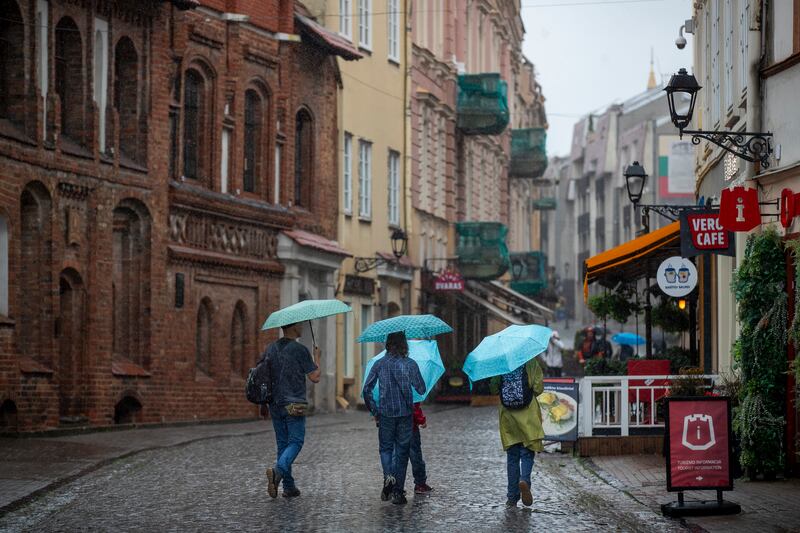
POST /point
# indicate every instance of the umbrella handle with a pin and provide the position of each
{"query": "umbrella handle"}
(313, 340)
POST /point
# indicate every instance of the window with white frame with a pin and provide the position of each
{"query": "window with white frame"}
(728, 35)
(393, 172)
(364, 179)
(365, 23)
(347, 174)
(744, 40)
(393, 29)
(346, 18)
(715, 59)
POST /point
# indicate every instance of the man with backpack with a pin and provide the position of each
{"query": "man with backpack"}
(521, 427)
(289, 362)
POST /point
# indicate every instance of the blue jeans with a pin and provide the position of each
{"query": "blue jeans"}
(290, 433)
(394, 441)
(520, 465)
(417, 462)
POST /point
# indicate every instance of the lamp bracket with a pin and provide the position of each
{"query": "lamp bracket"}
(750, 146)
(365, 264)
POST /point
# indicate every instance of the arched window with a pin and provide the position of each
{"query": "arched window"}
(12, 63)
(196, 124)
(239, 340)
(3, 265)
(303, 158)
(34, 277)
(131, 282)
(203, 337)
(253, 140)
(71, 350)
(126, 97)
(69, 79)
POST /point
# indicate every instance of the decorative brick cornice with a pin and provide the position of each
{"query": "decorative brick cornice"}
(73, 191)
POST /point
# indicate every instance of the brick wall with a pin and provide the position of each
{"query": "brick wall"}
(101, 240)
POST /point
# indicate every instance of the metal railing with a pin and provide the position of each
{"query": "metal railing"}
(617, 404)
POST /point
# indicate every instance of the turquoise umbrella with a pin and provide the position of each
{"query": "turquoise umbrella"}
(414, 326)
(506, 350)
(628, 338)
(429, 361)
(305, 310)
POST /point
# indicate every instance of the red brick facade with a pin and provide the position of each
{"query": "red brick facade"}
(140, 270)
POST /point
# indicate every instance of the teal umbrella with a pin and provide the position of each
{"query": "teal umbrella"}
(429, 361)
(414, 326)
(305, 310)
(506, 350)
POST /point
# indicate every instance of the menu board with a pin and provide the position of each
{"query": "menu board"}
(559, 406)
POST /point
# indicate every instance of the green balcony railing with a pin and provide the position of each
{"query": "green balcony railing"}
(481, 249)
(528, 272)
(482, 104)
(528, 153)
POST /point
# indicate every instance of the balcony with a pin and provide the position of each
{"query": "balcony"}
(481, 249)
(482, 104)
(528, 153)
(528, 274)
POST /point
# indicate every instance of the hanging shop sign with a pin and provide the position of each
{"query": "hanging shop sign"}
(739, 209)
(703, 234)
(361, 285)
(448, 281)
(698, 433)
(789, 207)
(677, 276)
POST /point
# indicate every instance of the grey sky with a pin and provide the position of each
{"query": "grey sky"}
(590, 55)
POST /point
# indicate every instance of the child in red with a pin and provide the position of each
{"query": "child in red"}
(415, 453)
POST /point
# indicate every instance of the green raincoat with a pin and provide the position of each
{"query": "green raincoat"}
(525, 425)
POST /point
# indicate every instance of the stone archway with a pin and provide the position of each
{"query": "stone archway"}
(70, 326)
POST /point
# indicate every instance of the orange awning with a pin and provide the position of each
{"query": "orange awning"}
(633, 259)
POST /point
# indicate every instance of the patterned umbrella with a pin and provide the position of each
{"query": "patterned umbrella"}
(506, 350)
(414, 326)
(305, 310)
(426, 354)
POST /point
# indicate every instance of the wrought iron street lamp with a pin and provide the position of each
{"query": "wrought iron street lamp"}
(750, 146)
(399, 249)
(635, 177)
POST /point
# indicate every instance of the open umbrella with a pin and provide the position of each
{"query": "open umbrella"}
(414, 326)
(506, 350)
(429, 361)
(305, 310)
(628, 338)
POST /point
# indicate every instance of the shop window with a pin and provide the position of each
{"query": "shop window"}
(126, 98)
(203, 337)
(303, 158)
(239, 364)
(197, 98)
(130, 282)
(12, 63)
(70, 79)
(253, 140)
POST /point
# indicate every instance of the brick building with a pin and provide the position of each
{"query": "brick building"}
(152, 158)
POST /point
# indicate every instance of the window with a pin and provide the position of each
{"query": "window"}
(69, 79)
(42, 50)
(365, 23)
(347, 174)
(100, 92)
(303, 158)
(203, 337)
(12, 63)
(744, 38)
(364, 179)
(728, 35)
(278, 158)
(715, 59)
(225, 160)
(345, 18)
(239, 366)
(253, 143)
(126, 99)
(194, 122)
(394, 187)
(3, 266)
(393, 30)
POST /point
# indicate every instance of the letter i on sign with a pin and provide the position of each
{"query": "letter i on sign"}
(739, 210)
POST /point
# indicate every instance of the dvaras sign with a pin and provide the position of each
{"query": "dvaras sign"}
(702, 233)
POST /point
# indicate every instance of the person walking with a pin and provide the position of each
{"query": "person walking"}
(521, 430)
(415, 453)
(554, 358)
(397, 374)
(290, 363)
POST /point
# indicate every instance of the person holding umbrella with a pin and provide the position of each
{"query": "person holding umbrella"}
(397, 375)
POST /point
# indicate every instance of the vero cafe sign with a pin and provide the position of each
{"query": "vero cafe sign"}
(702, 233)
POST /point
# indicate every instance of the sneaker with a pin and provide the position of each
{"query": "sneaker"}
(422, 488)
(511, 504)
(388, 485)
(399, 498)
(525, 494)
(293, 492)
(273, 478)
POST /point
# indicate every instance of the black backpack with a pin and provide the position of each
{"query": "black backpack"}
(515, 391)
(258, 388)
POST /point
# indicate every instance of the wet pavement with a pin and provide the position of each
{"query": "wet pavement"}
(219, 484)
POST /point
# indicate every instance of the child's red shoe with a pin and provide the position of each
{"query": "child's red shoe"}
(422, 489)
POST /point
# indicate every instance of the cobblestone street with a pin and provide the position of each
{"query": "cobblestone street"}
(219, 484)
